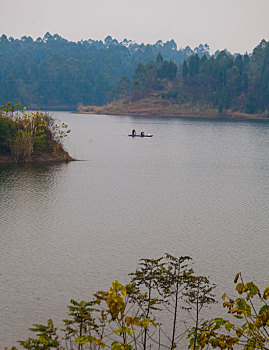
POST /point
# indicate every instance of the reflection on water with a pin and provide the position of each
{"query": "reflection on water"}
(198, 187)
(31, 172)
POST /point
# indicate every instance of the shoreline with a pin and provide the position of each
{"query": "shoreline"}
(45, 158)
(151, 107)
(234, 116)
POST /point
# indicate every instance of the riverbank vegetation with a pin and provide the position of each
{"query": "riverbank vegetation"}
(160, 308)
(27, 136)
(221, 85)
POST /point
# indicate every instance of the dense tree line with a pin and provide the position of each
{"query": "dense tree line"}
(239, 82)
(52, 71)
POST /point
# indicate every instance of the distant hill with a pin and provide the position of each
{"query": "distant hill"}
(52, 72)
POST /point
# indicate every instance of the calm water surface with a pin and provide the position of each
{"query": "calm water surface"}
(198, 187)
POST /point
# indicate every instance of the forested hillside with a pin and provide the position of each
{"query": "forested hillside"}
(224, 82)
(54, 72)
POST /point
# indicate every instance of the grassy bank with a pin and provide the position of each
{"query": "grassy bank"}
(156, 106)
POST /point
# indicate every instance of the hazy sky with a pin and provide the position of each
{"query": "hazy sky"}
(238, 25)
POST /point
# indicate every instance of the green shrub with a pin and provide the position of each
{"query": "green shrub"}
(7, 134)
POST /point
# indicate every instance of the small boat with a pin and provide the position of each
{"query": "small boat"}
(138, 135)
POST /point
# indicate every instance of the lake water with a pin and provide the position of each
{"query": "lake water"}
(198, 187)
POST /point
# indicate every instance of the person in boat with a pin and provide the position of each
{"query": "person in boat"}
(133, 132)
(142, 134)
